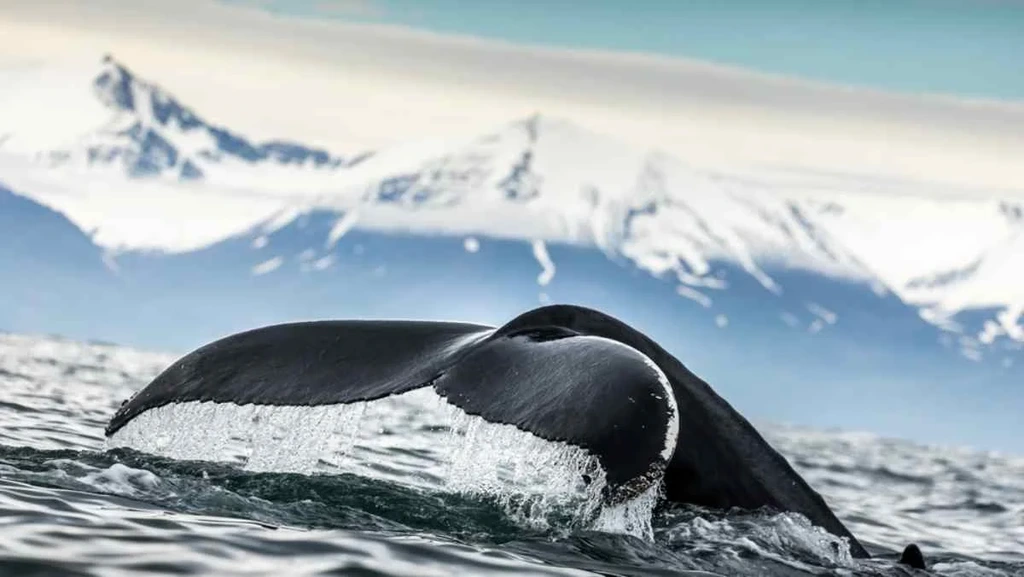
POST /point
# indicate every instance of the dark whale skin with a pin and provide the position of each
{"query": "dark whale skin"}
(720, 459)
(559, 372)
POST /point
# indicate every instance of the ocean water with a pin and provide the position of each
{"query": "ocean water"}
(404, 488)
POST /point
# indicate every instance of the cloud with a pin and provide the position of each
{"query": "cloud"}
(355, 86)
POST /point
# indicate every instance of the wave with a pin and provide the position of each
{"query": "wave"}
(269, 514)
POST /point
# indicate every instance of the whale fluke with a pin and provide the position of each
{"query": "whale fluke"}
(308, 363)
(562, 373)
(720, 460)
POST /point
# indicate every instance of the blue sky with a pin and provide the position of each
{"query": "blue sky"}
(958, 47)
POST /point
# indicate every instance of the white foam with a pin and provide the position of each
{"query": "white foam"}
(765, 535)
(632, 517)
(258, 437)
(121, 480)
(546, 477)
(413, 438)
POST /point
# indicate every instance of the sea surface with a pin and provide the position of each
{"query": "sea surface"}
(396, 489)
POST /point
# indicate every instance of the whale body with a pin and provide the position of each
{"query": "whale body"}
(562, 373)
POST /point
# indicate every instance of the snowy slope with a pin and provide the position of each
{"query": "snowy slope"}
(544, 179)
(107, 117)
(955, 257)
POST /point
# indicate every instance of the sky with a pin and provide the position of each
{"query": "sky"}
(958, 47)
(356, 75)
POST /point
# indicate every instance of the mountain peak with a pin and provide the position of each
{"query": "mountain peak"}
(135, 126)
(121, 90)
(114, 85)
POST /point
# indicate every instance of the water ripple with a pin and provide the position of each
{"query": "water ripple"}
(68, 506)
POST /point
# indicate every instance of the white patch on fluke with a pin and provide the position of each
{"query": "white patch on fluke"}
(531, 478)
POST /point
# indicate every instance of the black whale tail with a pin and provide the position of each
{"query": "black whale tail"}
(720, 459)
(563, 386)
(562, 373)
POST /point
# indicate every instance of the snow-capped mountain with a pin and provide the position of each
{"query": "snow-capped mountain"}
(132, 126)
(783, 240)
(957, 260)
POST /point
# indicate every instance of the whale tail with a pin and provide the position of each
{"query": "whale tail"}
(562, 373)
(720, 459)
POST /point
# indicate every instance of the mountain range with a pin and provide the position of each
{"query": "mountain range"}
(836, 290)
(139, 129)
